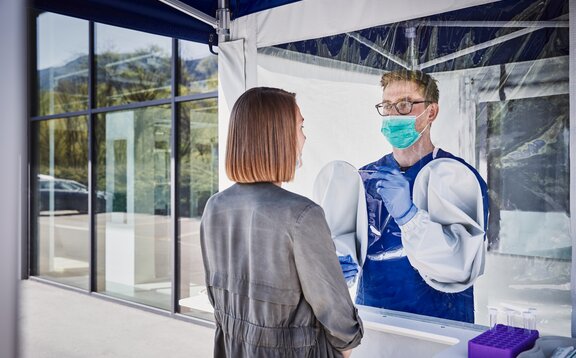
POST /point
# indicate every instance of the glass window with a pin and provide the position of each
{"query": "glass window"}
(133, 231)
(528, 165)
(198, 180)
(62, 64)
(131, 66)
(131, 164)
(62, 239)
(530, 250)
(503, 74)
(198, 69)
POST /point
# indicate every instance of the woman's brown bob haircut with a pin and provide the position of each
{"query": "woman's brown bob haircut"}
(262, 137)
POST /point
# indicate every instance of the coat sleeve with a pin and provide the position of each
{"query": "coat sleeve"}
(321, 279)
(339, 190)
(445, 240)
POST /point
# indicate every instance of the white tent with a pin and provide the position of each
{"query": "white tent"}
(337, 98)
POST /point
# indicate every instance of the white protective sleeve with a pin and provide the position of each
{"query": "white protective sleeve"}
(445, 240)
(339, 190)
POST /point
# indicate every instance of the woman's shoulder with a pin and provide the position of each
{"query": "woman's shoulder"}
(289, 202)
(261, 194)
(297, 197)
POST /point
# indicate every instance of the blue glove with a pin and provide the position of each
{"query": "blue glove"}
(395, 192)
(349, 268)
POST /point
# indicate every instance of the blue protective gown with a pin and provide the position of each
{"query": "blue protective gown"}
(388, 280)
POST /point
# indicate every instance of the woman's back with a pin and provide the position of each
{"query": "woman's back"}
(273, 276)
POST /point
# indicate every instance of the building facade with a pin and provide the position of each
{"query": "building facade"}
(123, 156)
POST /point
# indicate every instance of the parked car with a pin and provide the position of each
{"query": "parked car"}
(68, 195)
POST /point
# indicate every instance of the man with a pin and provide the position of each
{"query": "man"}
(427, 212)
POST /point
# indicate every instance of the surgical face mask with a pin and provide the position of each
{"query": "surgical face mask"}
(400, 131)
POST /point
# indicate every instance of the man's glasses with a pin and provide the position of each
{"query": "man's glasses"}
(402, 107)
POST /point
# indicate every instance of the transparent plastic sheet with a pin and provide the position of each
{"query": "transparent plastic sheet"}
(502, 71)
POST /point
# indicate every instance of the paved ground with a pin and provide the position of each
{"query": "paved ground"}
(56, 322)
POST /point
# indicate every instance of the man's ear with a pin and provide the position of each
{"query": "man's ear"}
(433, 110)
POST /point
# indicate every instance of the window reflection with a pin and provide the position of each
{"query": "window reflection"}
(62, 64)
(198, 69)
(198, 180)
(131, 66)
(62, 239)
(528, 141)
(133, 233)
(132, 150)
(523, 142)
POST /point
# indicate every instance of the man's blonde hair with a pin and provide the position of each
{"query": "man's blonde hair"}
(425, 82)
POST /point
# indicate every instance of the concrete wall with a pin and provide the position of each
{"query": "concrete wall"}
(13, 165)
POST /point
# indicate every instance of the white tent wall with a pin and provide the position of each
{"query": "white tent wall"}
(231, 71)
(311, 19)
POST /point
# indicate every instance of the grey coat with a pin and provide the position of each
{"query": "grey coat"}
(273, 276)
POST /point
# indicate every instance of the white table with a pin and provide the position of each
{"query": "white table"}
(398, 334)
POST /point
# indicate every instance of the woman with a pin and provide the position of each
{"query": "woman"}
(272, 274)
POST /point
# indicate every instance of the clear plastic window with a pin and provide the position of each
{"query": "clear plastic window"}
(502, 72)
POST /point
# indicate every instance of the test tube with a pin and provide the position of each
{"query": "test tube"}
(509, 316)
(529, 321)
(533, 310)
(493, 312)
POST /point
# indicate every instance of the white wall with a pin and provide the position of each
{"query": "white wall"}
(13, 163)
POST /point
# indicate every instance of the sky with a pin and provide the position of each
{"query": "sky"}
(62, 39)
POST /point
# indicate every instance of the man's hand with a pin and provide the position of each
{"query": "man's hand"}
(349, 268)
(395, 192)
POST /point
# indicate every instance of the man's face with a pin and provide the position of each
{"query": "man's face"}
(399, 91)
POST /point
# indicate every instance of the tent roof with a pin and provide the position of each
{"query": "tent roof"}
(153, 16)
(484, 35)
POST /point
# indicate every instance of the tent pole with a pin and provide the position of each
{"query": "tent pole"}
(558, 22)
(223, 18)
(364, 41)
(478, 47)
(189, 10)
(410, 33)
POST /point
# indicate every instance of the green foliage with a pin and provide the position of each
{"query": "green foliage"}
(138, 76)
(69, 148)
